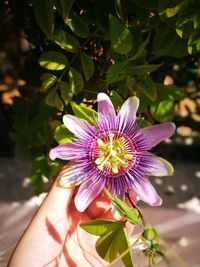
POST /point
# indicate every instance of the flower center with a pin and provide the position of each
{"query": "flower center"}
(112, 154)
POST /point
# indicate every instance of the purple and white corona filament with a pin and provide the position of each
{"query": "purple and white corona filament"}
(113, 154)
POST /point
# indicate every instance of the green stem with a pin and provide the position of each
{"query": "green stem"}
(136, 207)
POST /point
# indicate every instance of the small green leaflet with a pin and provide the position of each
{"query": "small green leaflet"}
(62, 135)
(78, 26)
(99, 227)
(87, 65)
(163, 110)
(48, 80)
(148, 87)
(141, 49)
(44, 15)
(143, 69)
(131, 214)
(113, 243)
(65, 91)
(53, 100)
(53, 60)
(120, 36)
(64, 8)
(85, 113)
(115, 73)
(75, 80)
(116, 99)
(170, 91)
(113, 239)
(66, 41)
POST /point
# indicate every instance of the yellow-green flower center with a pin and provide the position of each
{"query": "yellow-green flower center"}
(112, 154)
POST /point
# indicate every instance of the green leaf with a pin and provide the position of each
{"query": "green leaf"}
(44, 15)
(62, 135)
(39, 168)
(141, 49)
(168, 43)
(163, 110)
(143, 123)
(66, 41)
(170, 91)
(65, 91)
(120, 36)
(148, 4)
(85, 113)
(107, 245)
(144, 102)
(75, 80)
(148, 87)
(131, 81)
(143, 69)
(165, 4)
(116, 99)
(124, 244)
(53, 100)
(115, 73)
(48, 80)
(176, 92)
(131, 214)
(53, 60)
(87, 65)
(64, 8)
(99, 227)
(116, 241)
(78, 25)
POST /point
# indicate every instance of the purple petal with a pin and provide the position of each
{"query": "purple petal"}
(79, 127)
(146, 192)
(127, 113)
(158, 166)
(87, 192)
(153, 135)
(105, 107)
(69, 151)
(72, 176)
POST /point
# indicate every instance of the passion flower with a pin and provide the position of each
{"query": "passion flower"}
(113, 154)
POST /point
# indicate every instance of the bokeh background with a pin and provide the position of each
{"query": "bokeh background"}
(54, 59)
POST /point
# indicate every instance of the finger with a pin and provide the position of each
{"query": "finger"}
(42, 241)
(98, 207)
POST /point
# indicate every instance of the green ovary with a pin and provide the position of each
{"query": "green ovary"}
(112, 154)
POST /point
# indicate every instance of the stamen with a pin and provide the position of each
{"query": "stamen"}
(103, 163)
(128, 156)
(99, 160)
(114, 167)
(102, 145)
(112, 154)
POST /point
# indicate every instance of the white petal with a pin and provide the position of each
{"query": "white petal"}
(105, 107)
(75, 125)
(127, 113)
(71, 176)
(87, 192)
(146, 192)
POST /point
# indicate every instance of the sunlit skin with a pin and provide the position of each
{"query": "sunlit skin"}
(54, 237)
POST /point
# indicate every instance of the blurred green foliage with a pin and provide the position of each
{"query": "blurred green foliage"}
(82, 47)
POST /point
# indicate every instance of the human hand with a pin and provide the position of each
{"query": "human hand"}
(54, 237)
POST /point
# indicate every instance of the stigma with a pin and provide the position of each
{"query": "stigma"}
(113, 155)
